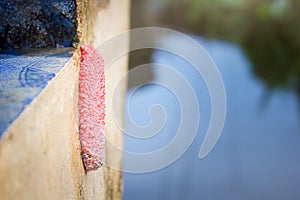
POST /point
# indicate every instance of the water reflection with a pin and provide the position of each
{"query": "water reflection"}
(267, 30)
(257, 156)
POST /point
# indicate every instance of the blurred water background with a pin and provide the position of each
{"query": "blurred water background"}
(256, 46)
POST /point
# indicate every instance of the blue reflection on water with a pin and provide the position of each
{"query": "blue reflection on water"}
(257, 156)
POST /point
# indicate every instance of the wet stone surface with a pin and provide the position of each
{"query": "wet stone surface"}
(37, 23)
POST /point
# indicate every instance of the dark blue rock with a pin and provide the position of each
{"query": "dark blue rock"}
(37, 23)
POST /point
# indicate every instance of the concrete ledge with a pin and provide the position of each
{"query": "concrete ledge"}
(24, 74)
(40, 152)
(40, 149)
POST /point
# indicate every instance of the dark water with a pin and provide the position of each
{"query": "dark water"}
(257, 156)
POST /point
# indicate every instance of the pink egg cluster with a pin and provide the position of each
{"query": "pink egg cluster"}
(91, 107)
